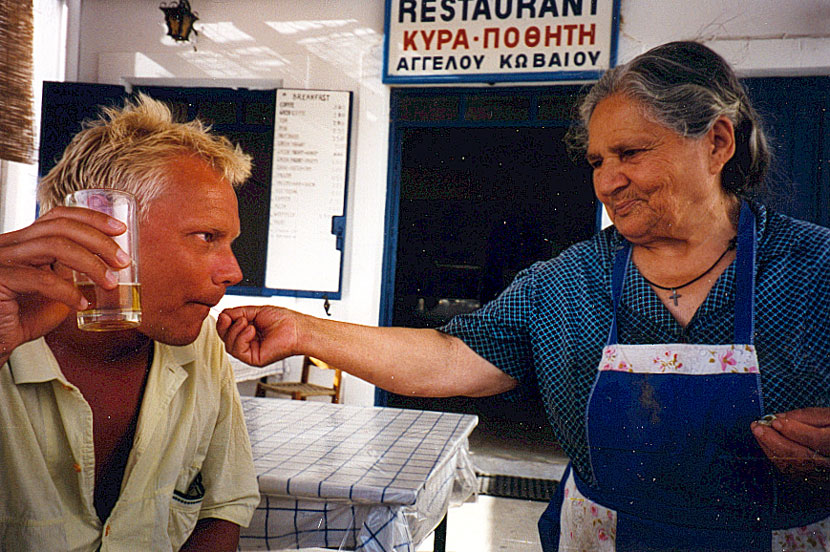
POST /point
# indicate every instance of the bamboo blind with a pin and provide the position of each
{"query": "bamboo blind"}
(16, 77)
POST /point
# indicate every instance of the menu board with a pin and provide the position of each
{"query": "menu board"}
(308, 191)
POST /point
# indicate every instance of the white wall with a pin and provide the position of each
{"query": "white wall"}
(18, 180)
(338, 45)
(758, 37)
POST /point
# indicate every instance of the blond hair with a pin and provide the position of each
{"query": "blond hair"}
(129, 149)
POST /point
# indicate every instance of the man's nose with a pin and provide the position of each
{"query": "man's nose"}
(227, 272)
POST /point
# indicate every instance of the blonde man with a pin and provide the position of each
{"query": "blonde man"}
(128, 440)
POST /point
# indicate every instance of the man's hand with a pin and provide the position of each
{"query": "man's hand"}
(36, 289)
(259, 335)
(798, 444)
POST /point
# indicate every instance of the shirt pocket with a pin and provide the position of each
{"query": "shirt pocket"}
(185, 505)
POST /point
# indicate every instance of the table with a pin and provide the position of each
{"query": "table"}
(353, 477)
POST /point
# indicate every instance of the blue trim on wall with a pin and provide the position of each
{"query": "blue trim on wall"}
(387, 13)
(338, 223)
(390, 242)
(252, 291)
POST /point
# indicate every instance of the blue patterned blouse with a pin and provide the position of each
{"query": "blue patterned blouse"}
(548, 328)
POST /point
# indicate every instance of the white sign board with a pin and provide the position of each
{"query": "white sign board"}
(498, 40)
(308, 190)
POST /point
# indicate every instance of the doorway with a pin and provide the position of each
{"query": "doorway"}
(481, 187)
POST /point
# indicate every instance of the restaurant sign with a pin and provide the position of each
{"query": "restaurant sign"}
(431, 41)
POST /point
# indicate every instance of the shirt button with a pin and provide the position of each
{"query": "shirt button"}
(76, 467)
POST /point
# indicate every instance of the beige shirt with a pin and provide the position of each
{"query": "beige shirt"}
(190, 424)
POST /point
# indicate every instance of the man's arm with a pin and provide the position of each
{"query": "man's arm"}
(212, 535)
(406, 361)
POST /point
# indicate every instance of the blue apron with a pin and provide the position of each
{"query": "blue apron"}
(674, 463)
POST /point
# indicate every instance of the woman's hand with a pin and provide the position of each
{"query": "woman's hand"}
(36, 288)
(798, 444)
(258, 335)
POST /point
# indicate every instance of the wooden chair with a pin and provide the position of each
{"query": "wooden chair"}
(300, 390)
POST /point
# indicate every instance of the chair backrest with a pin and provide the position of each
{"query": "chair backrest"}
(309, 361)
(300, 390)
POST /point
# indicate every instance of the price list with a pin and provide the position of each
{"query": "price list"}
(308, 189)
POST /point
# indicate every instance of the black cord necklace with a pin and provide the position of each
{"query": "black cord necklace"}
(674, 295)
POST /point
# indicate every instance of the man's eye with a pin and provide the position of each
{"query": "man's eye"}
(595, 162)
(206, 236)
(629, 153)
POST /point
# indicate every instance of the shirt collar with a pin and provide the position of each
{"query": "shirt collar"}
(33, 362)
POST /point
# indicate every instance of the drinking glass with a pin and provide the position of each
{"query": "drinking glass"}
(119, 308)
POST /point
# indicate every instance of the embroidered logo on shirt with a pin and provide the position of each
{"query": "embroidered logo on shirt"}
(195, 492)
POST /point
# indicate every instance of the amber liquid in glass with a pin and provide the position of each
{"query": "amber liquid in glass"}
(110, 309)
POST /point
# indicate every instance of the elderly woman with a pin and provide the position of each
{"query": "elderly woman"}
(658, 345)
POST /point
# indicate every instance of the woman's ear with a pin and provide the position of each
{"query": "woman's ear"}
(722, 143)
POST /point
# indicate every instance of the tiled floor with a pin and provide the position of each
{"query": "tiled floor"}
(492, 524)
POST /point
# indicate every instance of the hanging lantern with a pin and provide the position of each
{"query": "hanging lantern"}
(179, 20)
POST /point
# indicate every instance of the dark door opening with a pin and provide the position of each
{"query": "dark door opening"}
(478, 203)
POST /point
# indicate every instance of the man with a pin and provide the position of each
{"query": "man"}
(134, 439)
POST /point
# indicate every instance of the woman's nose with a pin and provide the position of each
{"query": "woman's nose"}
(608, 178)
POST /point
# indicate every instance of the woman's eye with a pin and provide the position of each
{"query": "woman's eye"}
(595, 162)
(629, 153)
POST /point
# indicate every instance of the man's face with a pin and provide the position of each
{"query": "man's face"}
(185, 251)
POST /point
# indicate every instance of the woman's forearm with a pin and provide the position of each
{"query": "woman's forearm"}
(406, 361)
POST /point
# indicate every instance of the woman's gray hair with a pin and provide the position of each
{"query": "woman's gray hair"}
(687, 87)
(130, 149)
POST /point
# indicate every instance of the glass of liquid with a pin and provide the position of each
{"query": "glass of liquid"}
(118, 308)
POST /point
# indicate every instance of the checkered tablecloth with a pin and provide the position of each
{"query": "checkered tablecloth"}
(353, 478)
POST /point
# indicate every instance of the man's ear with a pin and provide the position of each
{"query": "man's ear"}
(721, 139)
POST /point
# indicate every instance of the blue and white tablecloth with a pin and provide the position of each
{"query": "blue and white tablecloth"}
(351, 477)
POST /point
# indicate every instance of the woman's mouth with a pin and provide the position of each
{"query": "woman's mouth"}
(624, 207)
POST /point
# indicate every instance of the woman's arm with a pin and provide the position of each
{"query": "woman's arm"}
(406, 361)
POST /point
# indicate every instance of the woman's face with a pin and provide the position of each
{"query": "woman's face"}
(655, 183)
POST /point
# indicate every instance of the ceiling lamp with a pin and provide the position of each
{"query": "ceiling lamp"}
(179, 20)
